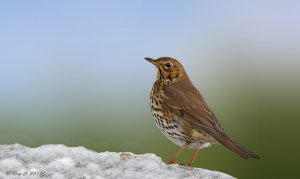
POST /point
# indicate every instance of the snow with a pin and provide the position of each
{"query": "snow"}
(59, 161)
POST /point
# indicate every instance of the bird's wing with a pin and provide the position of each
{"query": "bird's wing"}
(190, 105)
(186, 101)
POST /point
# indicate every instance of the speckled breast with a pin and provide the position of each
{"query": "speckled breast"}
(166, 123)
(170, 125)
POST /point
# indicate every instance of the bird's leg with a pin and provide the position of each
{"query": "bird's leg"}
(173, 160)
(194, 156)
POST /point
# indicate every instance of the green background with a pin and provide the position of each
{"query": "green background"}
(73, 73)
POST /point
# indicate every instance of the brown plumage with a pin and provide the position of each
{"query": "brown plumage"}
(181, 113)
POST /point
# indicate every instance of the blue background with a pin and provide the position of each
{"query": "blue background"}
(73, 72)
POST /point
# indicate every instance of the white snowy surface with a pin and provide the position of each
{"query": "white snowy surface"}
(59, 161)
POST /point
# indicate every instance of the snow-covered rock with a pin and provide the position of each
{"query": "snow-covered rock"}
(59, 161)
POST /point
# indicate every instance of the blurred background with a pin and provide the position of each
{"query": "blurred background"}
(73, 73)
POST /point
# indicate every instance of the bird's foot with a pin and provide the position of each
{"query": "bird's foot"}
(172, 161)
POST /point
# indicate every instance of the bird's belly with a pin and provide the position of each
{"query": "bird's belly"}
(172, 131)
(172, 126)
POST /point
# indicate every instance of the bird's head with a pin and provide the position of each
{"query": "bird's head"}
(168, 69)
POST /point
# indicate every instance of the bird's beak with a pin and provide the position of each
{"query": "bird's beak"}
(151, 60)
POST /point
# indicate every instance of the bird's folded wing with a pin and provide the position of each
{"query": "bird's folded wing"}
(191, 106)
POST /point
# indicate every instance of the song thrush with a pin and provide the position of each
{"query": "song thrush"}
(181, 113)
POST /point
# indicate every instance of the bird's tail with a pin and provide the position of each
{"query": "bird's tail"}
(235, 147)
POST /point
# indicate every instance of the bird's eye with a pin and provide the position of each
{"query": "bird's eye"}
(169, 65)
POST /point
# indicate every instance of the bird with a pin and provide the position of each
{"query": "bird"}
(182, 115)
